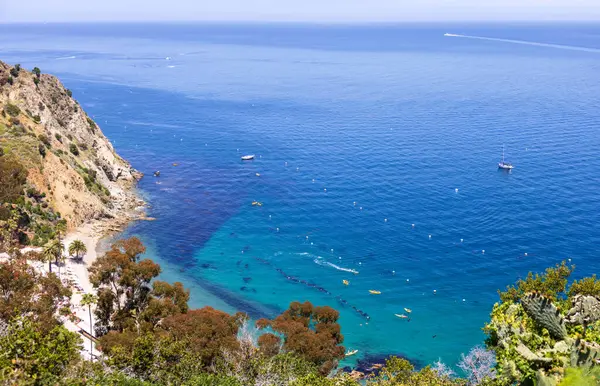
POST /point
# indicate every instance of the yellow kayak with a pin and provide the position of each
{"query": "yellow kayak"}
(346, 282)
(256, 203)
(408, 310)
(373, 292)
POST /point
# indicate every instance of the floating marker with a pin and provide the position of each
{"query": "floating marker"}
(464, 300)
(360, 208)
(354, 203)
(456, 190)
(525, 253)
(324, 190)
(413, 225)
(407, 280)
(242, 251)
(277, 229)
(331, 250)
(269, 216)
(434, 291)
(340, 257)
(311, 243)
(297, 169)
(307, 237)
(313, 181)
(385, 220)
(393, 272)
(359, 263)
(429, 236)
(461, 240)
(483, 251)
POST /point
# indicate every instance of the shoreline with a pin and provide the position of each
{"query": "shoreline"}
(129, 208)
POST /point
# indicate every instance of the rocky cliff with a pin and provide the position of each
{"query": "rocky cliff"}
(67, 157)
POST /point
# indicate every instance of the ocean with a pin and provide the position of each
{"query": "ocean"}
(376, 162)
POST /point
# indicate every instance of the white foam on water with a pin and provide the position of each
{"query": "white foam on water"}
(319, 260)
(529, 43)
(66, 57)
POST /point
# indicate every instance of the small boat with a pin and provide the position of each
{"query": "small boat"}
(247, 157)
(350, 353)
(175, 164)
(503, 164)
(257, 174)
(401, 316)
(256, 203)
(157, 173)
(408, 310)
(374, 292)
(346, 282)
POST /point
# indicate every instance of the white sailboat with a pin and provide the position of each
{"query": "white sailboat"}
(503, 164)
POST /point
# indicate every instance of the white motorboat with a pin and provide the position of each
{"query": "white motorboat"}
(247, 157)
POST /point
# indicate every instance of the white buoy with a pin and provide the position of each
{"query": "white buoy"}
(359, 263)
(456, 190)
(483, 251)
(354, 203)
(297, 169)
(569, 259)
(413, 225)
(525, 253)
(407, 280)
(393, 272)
(277, 229)
(429, 236)
(331, 250)
(269, 216)
(324, 190)
(461, 240)
(464, 300)
(435, 291)
(385, 220)
(340, 257)
(313, 180)
(360, 208)
(311, 243)
(307, 237)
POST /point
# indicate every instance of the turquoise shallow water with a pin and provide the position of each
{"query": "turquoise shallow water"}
(392, 118)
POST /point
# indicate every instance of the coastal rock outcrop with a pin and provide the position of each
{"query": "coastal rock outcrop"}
(67, 157)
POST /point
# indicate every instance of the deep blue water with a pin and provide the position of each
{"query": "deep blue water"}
(392, 118)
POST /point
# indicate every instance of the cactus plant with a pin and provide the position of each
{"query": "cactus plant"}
(545, 314)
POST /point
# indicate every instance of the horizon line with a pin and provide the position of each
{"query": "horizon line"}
(310, 22)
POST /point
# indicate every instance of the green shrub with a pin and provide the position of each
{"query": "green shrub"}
(37, 72)
(58, 137)
(14, 72)
(12, 110)
(92, 124)
(69, 93)
(42, 150)
(36, 81)
(10, 80)
(73, 149)
(37, 119)
(45, 140)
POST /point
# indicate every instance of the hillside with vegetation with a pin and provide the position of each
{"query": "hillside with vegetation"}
(55, 162)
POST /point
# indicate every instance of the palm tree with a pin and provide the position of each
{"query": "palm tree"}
(77, 248)
(88, 300)
(60, 229)
(53, 251)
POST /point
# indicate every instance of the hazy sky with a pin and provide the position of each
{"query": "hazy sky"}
(297, 10)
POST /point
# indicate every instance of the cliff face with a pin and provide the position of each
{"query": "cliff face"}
(65, 153)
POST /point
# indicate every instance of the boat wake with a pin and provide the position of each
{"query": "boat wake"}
(66, 57)
(319, 260)
(528, 43)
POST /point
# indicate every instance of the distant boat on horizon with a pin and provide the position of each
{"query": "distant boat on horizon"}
(247, 157)
(503, 164)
